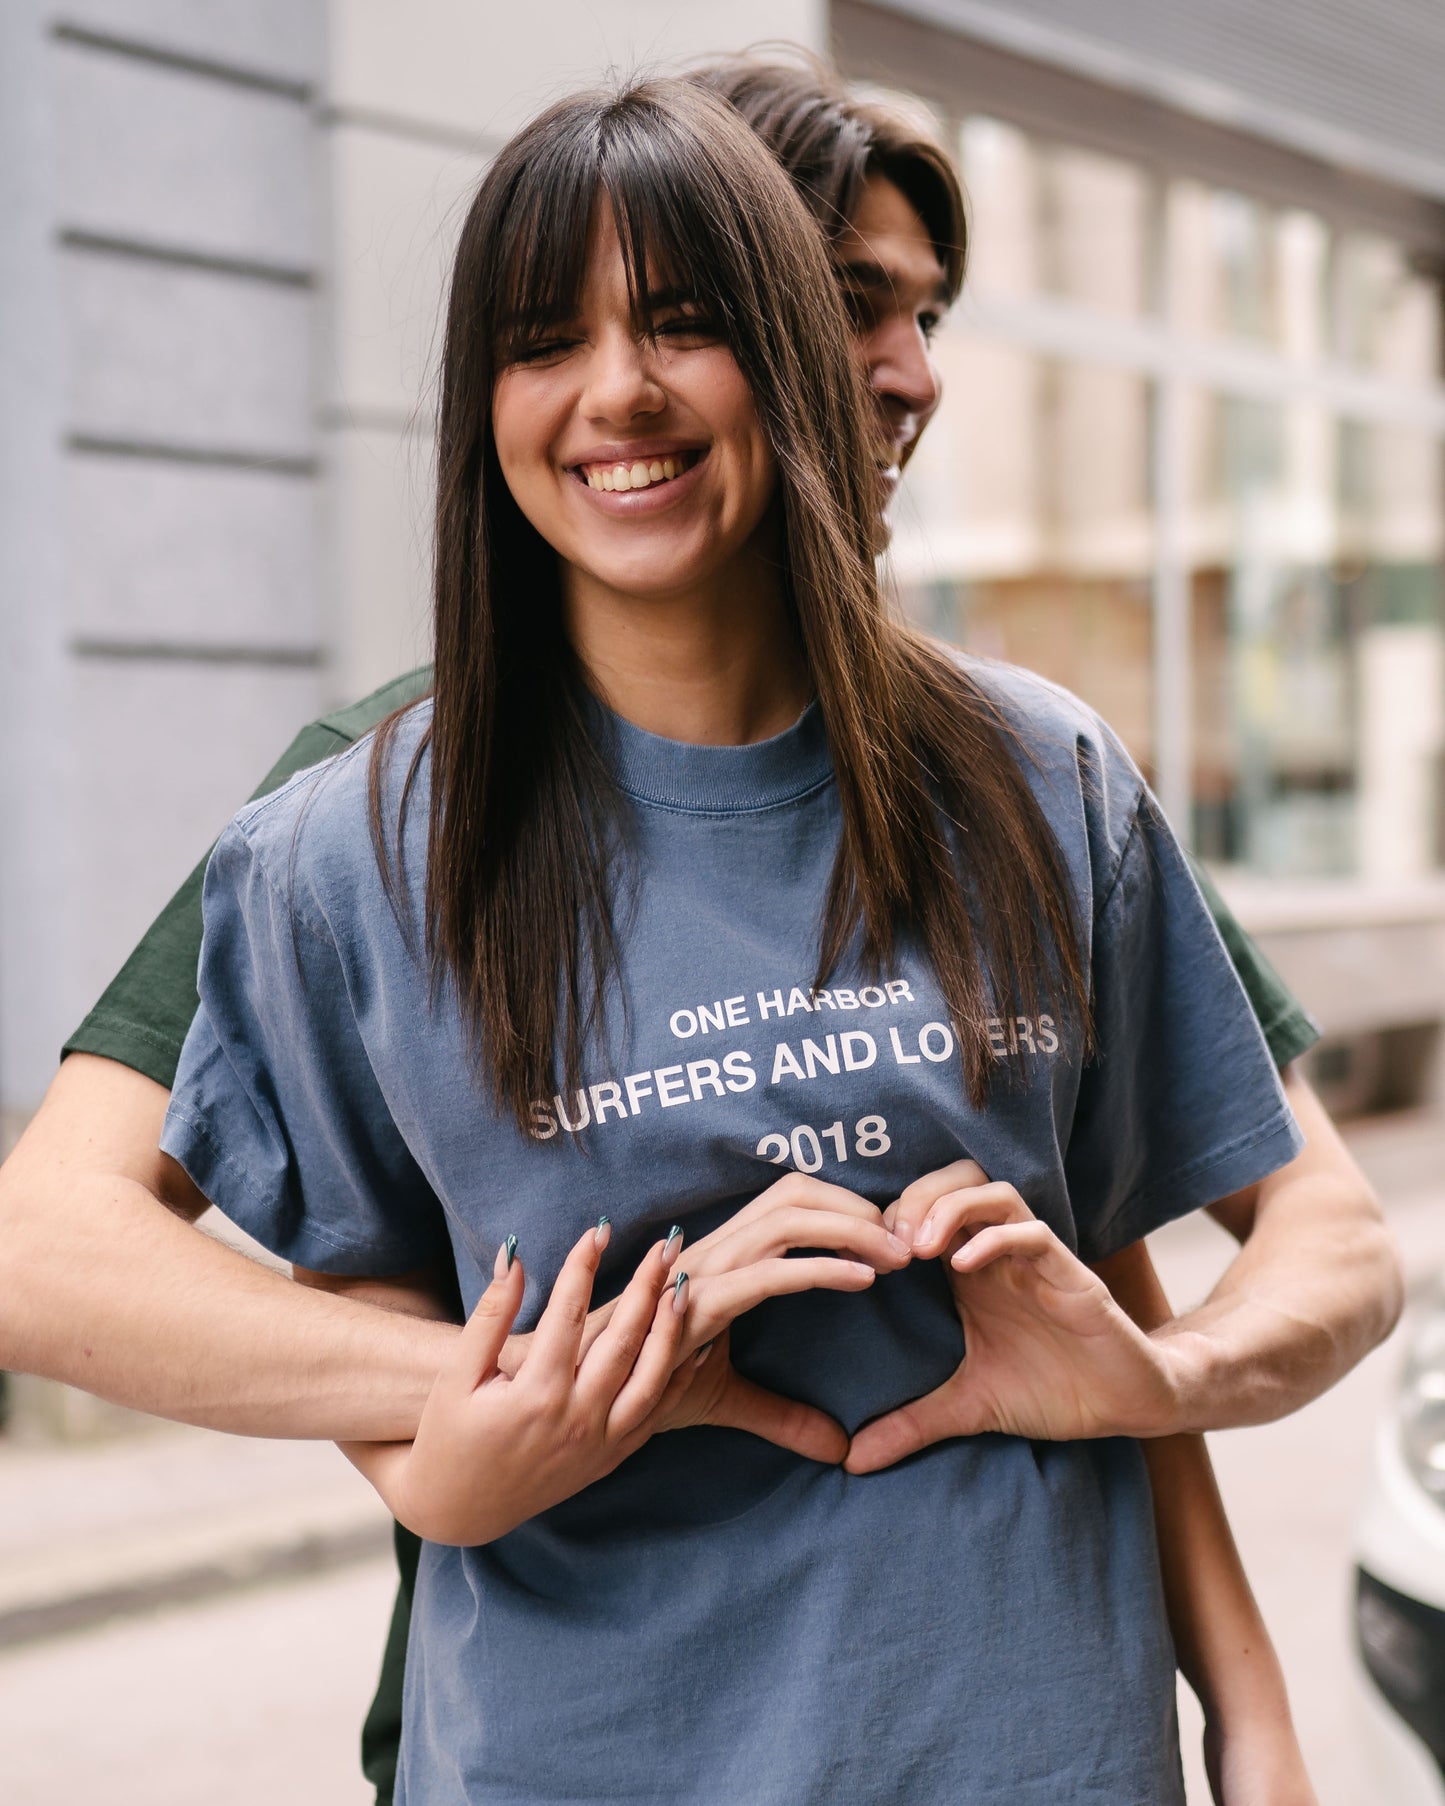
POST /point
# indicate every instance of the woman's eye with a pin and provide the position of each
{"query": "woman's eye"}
(928, 325)
(539, 351)
(686, 326)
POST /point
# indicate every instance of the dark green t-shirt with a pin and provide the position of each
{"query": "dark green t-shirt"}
(144, 1014)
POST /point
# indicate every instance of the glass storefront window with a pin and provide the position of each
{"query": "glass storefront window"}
(1239, 269)
(1054, 220)
(1392, 540)
(1319, 641)
(1387, 317)
(1306, 544)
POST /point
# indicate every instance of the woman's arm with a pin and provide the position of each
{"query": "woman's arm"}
(1224, 1649)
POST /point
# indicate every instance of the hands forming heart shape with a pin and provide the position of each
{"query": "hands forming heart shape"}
(1051, 1355)
(517, 1423)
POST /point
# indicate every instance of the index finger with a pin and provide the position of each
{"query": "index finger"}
(904, 1216)
(803, 1191)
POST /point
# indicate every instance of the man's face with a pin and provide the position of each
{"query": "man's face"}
(896, 292)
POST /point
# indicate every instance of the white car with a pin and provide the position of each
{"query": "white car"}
(1400, 1582)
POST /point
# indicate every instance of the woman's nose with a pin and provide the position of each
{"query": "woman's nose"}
(622, 380)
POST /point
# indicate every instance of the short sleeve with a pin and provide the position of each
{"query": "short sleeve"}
(1288, 1028)
(1180, 1103)
(276, 1112)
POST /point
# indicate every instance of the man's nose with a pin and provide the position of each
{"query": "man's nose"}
(901, 367)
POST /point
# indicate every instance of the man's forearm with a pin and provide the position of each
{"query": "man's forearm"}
(1315, 1286)
(104, 1287)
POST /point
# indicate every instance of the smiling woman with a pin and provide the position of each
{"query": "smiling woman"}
(679, 750)
(635, 275)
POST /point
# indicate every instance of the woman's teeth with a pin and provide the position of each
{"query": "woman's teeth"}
(636, 476)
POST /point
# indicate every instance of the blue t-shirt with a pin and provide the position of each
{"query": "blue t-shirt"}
(720, 1623)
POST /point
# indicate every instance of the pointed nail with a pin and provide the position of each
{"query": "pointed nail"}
(679, 1293)
(603, 1230)
(702, 1354)
(672, 1244)
(509, 1248)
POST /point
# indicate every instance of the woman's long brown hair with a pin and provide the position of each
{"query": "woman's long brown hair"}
(942, 839)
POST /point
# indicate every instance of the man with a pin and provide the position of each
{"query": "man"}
(95, 1224)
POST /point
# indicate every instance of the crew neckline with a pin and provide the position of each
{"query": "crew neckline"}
(717, 780)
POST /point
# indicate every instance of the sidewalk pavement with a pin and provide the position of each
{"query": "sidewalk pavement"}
(169, 1513)
(91, 1531)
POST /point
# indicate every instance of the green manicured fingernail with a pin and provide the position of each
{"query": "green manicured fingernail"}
(674, 1237)
(679, 1293)
(599, 1234)
(510, 1248)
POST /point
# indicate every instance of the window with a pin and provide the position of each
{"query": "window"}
(1191, 466)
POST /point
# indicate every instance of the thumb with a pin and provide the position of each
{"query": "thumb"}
(743, 1406)
(917, 1425)
(480, 1344)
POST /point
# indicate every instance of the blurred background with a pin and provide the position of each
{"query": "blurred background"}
(1189, 464)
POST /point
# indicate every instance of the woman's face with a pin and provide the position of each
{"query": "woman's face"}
(640, 459)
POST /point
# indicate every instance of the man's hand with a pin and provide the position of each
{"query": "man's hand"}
(1050, 1354)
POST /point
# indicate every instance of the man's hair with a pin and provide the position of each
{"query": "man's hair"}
(830, 141)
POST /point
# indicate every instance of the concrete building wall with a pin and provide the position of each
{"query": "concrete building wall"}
(162, 625)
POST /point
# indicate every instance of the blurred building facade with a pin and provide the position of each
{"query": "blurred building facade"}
(1190, 464)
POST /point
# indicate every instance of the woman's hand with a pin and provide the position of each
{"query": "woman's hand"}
(740, 1264)
(493, 1450)
(1049, 1352)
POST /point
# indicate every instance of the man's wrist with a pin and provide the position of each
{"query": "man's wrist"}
(388, 1386)
(1188, 1401)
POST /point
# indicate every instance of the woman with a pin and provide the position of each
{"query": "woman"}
(664, 888)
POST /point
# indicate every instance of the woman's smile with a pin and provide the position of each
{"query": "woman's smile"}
(634, 470)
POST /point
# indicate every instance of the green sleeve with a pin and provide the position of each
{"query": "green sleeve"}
(143, 1015)
(1288, 1030)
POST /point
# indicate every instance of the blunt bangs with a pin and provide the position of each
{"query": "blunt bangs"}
(682, 225)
